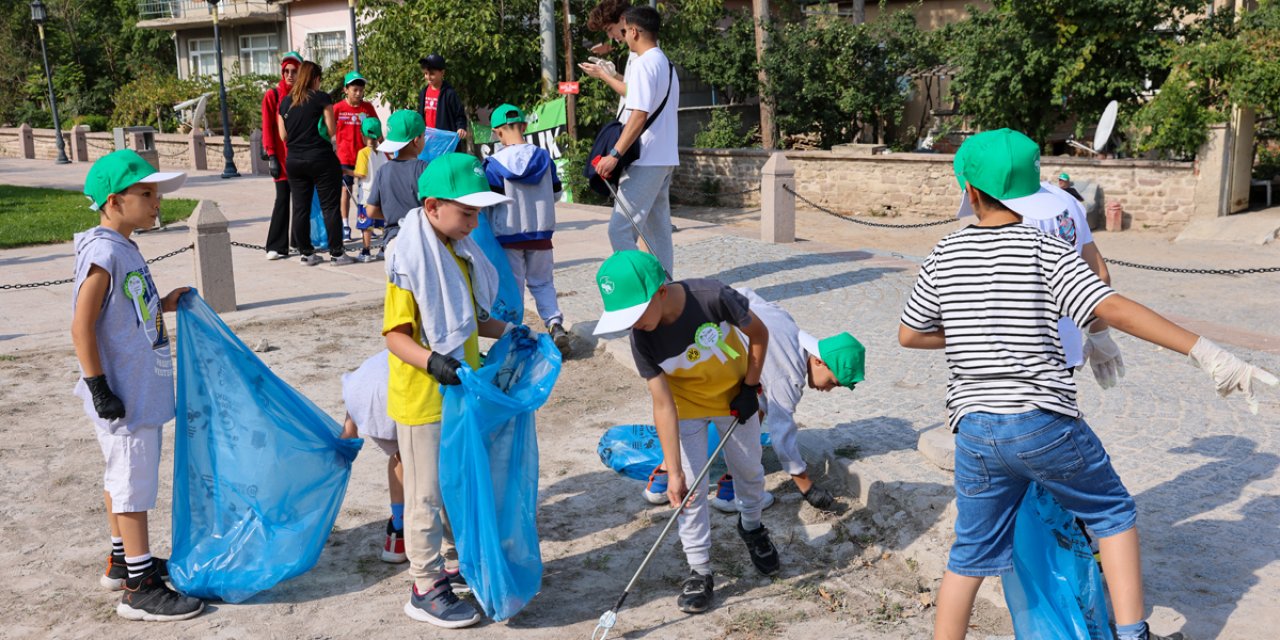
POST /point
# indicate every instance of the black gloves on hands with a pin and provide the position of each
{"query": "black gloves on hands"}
(273, 165)
(443, 368)
(747, 403)
(105, 401)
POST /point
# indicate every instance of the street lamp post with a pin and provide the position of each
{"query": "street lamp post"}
(355, 47)
(38, 16)
(229, 167)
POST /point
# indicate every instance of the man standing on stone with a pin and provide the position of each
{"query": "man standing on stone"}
(649, 119)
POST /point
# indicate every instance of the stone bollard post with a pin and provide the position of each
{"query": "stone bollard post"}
(257, 165)
(27, 140)
(199, 155)
(80, 143)
(1115, 216)
(214, 276)
(777, 205)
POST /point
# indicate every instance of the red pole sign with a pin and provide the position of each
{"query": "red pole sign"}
(569, 87)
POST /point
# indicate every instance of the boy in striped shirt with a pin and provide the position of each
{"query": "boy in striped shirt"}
(991, 295)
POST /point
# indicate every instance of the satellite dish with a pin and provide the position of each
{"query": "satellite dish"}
(1106, 125)
(1102, 133)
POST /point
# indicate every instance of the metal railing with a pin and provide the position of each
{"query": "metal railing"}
(158, 9)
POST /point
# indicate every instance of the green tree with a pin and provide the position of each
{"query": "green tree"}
(715, 44)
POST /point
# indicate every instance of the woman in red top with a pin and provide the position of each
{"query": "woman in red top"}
(274, 148)
(350, 114)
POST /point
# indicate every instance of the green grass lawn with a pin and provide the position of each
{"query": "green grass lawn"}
(30, 215)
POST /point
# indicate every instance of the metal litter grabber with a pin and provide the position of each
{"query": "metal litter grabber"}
(610, 617)
(626, 211)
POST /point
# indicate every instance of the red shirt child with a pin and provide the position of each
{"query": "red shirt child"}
(350, 114)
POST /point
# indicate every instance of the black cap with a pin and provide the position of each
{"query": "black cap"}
(433, 61)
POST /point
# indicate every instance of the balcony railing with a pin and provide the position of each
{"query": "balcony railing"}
(160, 9)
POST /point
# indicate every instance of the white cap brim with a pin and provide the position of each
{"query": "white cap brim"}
(1041, 205)
(809, 344)
(391, 146)
(482, 199)
(166, 182)
(1069, 200)
(620, 320)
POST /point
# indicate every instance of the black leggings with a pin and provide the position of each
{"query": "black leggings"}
(324, 175)
(278, 232)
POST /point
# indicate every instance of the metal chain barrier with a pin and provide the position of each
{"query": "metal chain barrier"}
(246, 245)
(50, 283)
(93, 144)
(868, 223)
(1210, 272)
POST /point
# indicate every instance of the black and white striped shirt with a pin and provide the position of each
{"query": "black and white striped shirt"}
(998, 292)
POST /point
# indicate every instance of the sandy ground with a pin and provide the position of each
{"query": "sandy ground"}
(594, 526)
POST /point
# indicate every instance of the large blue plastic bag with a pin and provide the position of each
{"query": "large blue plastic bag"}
(489, 470)
(633, 450)
(259, 471)
(1055, 589)
(437, 142)
(319, 236)
(509, 303)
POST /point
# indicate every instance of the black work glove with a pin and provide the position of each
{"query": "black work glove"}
(273, 165)
(443, 368)
(105, 401)
(747, 403)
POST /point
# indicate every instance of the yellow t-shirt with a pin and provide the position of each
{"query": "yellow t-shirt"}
(413, 396)
(362, 162)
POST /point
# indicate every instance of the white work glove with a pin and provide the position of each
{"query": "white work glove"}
(1229, 373)
(607, 66)
(1103, 356)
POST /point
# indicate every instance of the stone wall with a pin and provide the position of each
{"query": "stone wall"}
(1154, 194)
(173, 149)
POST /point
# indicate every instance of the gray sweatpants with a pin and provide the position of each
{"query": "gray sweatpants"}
(646, 192)
(742, 456)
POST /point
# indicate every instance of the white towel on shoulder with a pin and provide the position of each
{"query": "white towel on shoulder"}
(420, 263)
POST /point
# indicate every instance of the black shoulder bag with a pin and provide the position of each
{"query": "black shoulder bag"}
(607, 139)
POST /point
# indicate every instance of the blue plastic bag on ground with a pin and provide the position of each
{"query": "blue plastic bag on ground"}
(633, 450)
(319, 236)
(509, 303)
(1055, 589)
(437, 142)
(259, 471)
(489, 470)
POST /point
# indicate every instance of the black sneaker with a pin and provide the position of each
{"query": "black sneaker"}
(393, 549)
(763, 554)
(561, 339)
(441, 607)
(148, 598)
(457, 582)
(117, 572)
(818, 497)
(696, 593)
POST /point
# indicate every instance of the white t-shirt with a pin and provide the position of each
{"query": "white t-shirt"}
(647, 85)
(1072, 226)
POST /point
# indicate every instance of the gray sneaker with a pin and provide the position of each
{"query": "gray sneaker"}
(441, 607)
(561, 339)
(338, 261)
(364, 257)
(311, 260)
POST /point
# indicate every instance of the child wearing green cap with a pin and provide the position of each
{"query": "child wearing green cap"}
(394, 190)
(118, 328)
(350, 114)
(698, 371)
(368, 161)
(991, 294)
(439, 290)
(524, 228)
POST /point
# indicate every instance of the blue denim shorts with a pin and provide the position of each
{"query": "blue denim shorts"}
(997, 456)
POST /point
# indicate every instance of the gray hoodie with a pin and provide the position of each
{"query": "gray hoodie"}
(132, 342)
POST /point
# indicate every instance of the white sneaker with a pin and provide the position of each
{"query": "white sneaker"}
(275, 255)
(730, 506)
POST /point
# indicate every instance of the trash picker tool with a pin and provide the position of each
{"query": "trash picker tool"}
(626, 211)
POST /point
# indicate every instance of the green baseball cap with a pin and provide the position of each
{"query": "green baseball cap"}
(1064, 176)
(628, 280)
(323, 130)
(353, 76)
(458, 177)
(506, 114)
(403, 127)
(371, 127)
(119, 170)
(1005, 164)
(293, 57)
(842, 353)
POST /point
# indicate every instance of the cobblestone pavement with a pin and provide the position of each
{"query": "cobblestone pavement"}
(1202, 468)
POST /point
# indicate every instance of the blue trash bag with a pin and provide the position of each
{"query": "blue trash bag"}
(319, 236)
(509, 303)
(259, 470)
(633, 450)
(1055, 589)
(437, 143)
(489, 470)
